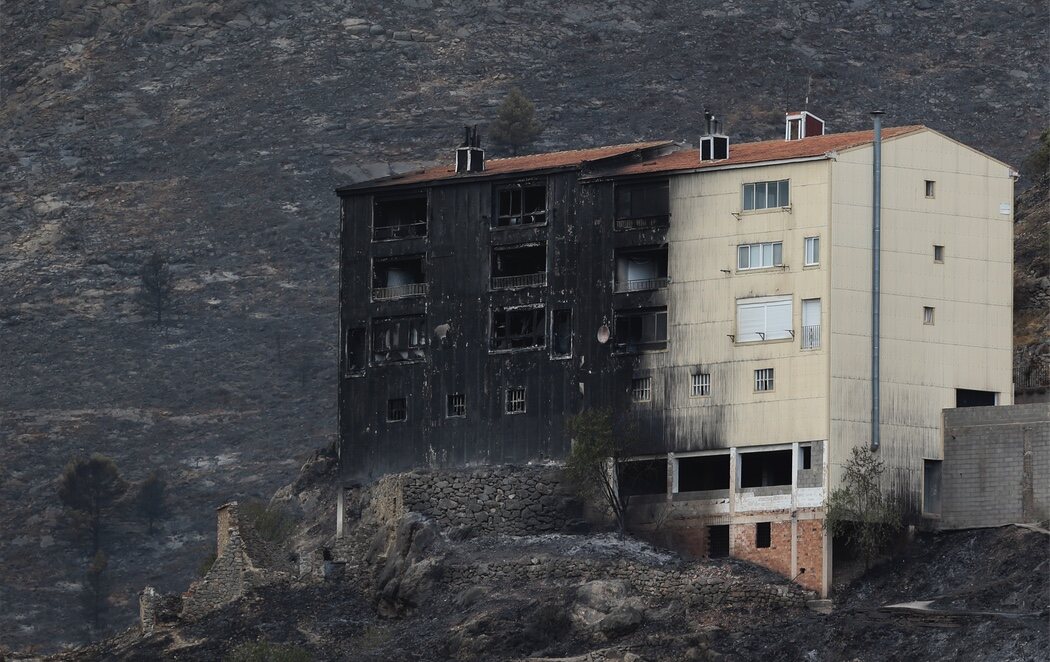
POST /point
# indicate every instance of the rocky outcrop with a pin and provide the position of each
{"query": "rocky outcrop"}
(405, 571)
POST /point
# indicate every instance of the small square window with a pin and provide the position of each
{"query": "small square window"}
(456, 406)
(396, 410)
(938, 253)
(642, 389)
(931, 188)
(763, 536)
(927, 315)
(764, 379)
(701, 385)
(515, 401)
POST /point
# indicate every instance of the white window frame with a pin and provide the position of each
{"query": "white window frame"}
(811, 332)
(764, 380)
(642, 389)
(765, 334)
(753, 187)
(700, 385)
(811, 257)
(764, 249)
(513, 401)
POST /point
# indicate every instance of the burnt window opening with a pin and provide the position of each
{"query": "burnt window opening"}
(805, 457)
(765, 468)
(641, 330)
(931, 487)
(517, 328)
(401, 217)
(641, 269)
(519, 266)
(356, 354)
(398, 277)
(561, 333)
(703, 473)
(515, 403)
(456, 406)
(398, 339)
(718, 541)
(396, 410)
(965, 397)
(642, 205)
(763, 535)
(521, 205)
(640, 477)
(642, 389)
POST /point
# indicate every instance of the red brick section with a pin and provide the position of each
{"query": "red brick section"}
(777, 557)
(811, 553)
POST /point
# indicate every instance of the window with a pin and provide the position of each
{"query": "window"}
(765, 468)
(456, 407)
(931, 487)
(641, 269)
(718, 541)
(965, 397)
(642, 389)
(703, 473)
(701, 385)
(517, 328)
(812, 251)
(765, 318)
(561, 333)
(637, 477)
(805, 458)
(931, 188)
(398, 277)
(764, 379)
(355, 351)
(396, 410)
(401, 217)
(810, 323)
(759, 256)
(766, 195)
(762, 535)
(938, 253)
(519, 266)
(640, 330)
(521, 205)
(398, 339)
(516, 400)
(927, 315)
(642, 205)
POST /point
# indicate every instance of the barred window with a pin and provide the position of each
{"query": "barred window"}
(642, 389)
(516, 400)
(764, 379)
(456, 406)
(396, 410)
(701, 385)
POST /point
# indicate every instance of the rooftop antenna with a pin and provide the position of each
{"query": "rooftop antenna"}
(809, 86)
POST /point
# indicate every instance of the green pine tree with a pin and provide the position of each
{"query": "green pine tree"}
(516, 125)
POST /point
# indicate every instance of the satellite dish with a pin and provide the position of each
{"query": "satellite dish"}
(441, 330)
(603, 333)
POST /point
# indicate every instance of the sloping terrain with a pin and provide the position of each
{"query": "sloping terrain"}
(215, 132)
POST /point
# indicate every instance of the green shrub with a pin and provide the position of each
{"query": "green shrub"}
(272, 524)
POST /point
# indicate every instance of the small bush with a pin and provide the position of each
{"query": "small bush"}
(264, 651)
(206, 564)
(272, 524)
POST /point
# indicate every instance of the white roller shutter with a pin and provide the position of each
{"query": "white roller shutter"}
(778, 319)
(767, 318)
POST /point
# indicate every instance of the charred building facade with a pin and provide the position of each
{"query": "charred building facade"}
(721, 295)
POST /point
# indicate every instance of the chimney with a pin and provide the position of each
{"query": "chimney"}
(803, 124)
(470, 157)
(714, 145)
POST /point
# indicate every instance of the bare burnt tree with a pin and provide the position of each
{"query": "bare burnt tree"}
(150, 501)
(89, 487)
(157, 290)
(94, 594)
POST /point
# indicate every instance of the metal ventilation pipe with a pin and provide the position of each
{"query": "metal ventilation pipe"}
(876, 265)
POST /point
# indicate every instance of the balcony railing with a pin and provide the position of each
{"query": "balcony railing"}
(640, 284)
(399, 291)
(528, 280)
(638, 346)
(811, 337)
(643, 222)
(403, 231)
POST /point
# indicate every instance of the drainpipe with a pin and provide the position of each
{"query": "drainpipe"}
(876, 264)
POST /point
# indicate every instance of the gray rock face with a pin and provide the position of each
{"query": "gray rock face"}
(406, 574)
(608, 607)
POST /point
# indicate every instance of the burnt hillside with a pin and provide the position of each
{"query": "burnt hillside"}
(215, 133)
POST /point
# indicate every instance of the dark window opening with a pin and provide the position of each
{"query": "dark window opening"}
(965, 397)
(398, 339)
(456, 407)
(643, 205)
(356, 355)
(641, 269)
(515, 400)
(517, 328)
(396, 410)
(931, 487)
(805, 457)
(763, 538)
(718, 541)
(641, 330)
(561, 333)
(521, 205)
(400, 218)
(398, 277)
(765, 468)
(521, 266)
(639, 477)
(703, 473)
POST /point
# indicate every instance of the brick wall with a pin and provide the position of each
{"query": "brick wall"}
(996, 467)
(809, 549)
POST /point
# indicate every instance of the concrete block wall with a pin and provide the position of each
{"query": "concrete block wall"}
(996, 467)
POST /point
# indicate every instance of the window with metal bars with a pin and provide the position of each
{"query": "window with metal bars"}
(396, 410)
(764, 379)
(642, 389)
(701, 385)
(456, 406)
(516, 400)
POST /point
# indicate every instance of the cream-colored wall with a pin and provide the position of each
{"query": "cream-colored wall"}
(970, 343)
(702, 238)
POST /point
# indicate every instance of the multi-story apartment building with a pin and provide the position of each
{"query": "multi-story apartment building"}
(721, 295)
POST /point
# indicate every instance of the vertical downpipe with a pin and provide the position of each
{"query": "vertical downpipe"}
(876, 264)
